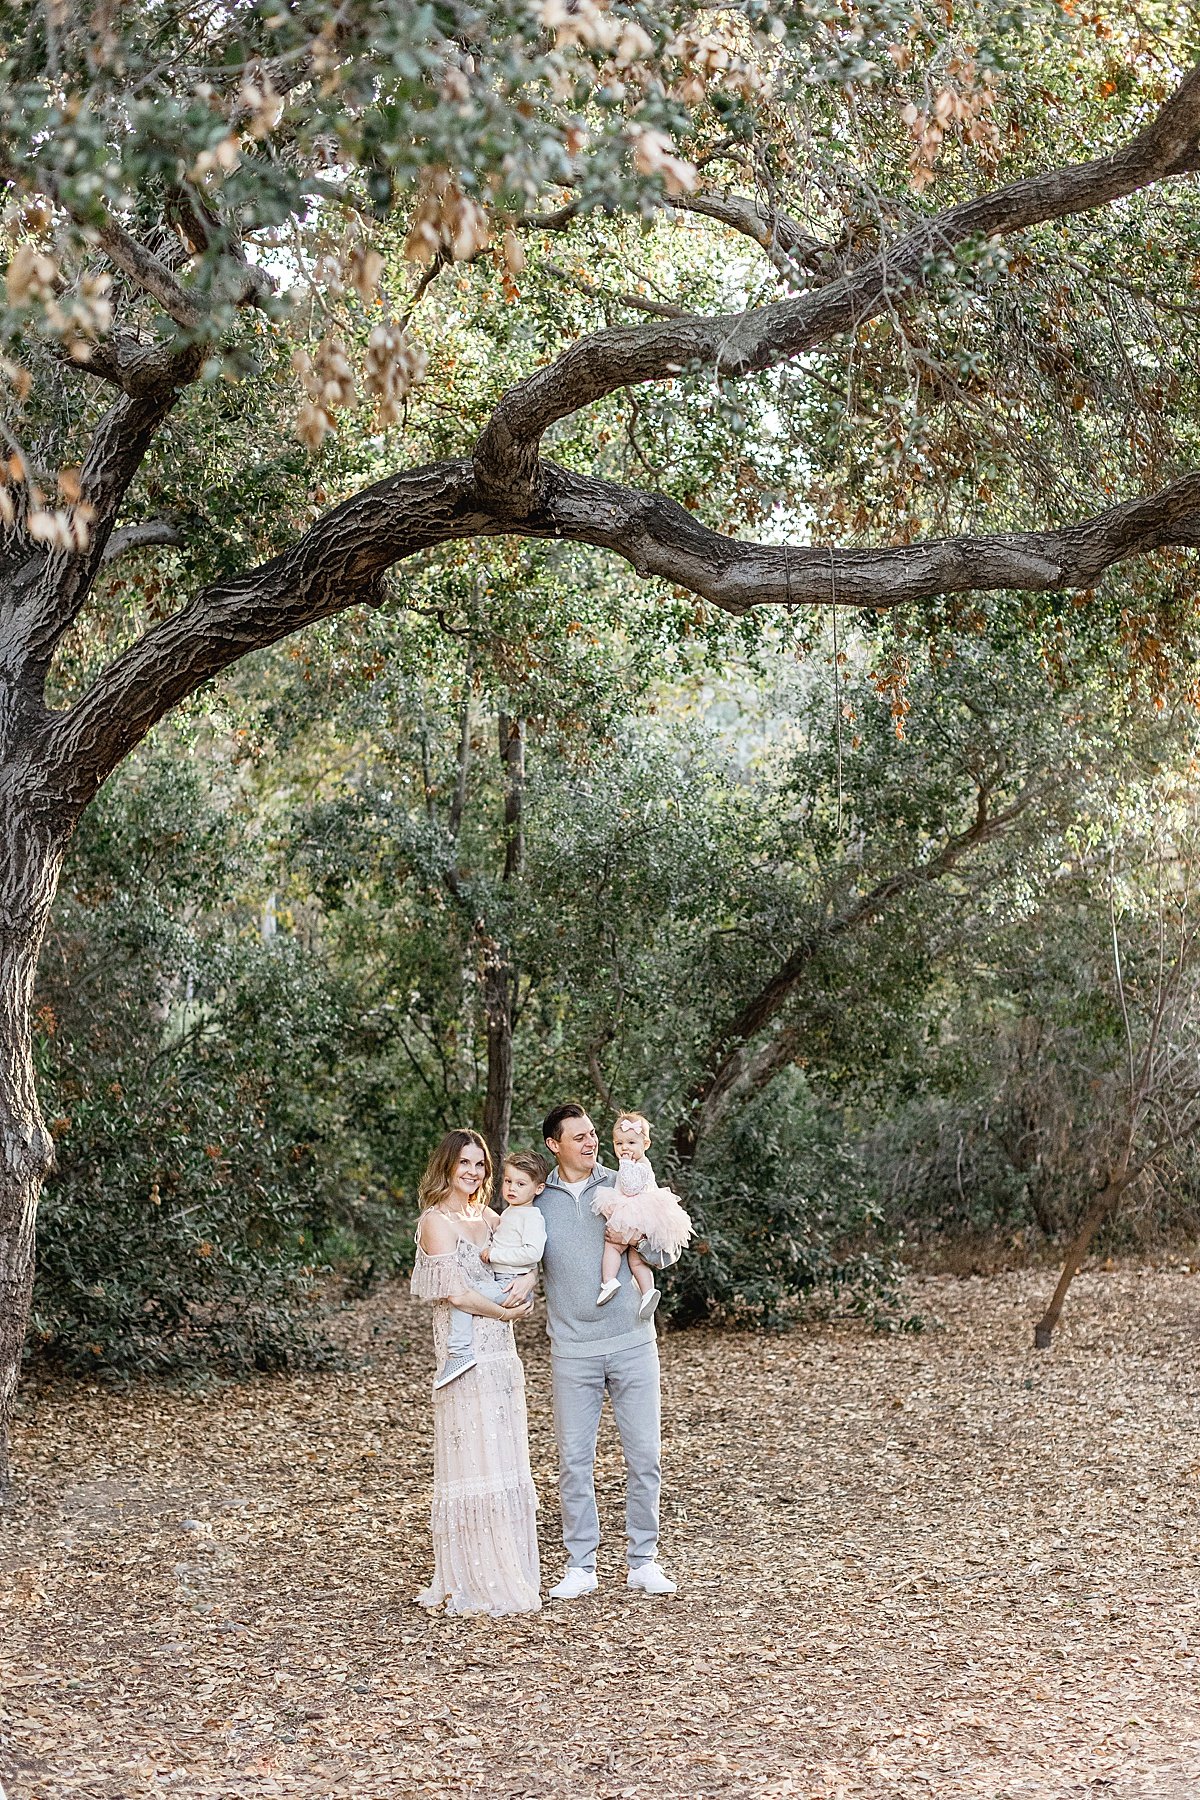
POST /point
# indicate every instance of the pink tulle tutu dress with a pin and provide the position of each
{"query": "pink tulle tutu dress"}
(637, 1204)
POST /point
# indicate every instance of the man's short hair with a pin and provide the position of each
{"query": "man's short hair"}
(556, 1118)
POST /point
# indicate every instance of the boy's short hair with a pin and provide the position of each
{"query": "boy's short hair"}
(633, 1118)
(529, 1163)
(554, 1120)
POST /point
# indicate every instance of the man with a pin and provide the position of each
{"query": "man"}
(594, 1350)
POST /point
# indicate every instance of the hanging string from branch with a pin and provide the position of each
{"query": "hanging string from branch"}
(837, 691)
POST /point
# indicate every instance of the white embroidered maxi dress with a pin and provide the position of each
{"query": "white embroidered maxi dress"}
(485, 1550)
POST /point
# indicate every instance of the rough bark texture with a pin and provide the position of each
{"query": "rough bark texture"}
(31, 845)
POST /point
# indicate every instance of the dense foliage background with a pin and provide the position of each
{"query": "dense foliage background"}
(261, 1001)
(949, 850)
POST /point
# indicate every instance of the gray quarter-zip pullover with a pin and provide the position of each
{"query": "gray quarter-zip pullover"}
(571, 1275)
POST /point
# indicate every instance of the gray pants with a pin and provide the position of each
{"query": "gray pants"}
(631, 1378)
(462, 1324)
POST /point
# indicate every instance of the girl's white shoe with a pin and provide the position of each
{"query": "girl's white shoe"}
(648, 1303)
(608, 1289)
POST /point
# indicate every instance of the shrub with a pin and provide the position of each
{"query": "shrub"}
(186, 1067)
(786, 1221)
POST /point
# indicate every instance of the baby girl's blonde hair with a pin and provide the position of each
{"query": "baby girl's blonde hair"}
(633, 1118)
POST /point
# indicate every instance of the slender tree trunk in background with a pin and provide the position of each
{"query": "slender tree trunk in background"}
(735, 1068)
(512, 755)
(498, 991)
(31, 847)
(500, 973)
(1102, 1208)
(596, 1072)
(745, 1071)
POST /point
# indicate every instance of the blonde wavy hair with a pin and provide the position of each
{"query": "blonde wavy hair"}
(434, 1184)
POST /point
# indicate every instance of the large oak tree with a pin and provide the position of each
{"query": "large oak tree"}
(192, 192)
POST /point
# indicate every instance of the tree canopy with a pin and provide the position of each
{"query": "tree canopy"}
(878, 237)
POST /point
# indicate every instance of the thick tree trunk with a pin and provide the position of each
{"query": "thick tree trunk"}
(31, 849)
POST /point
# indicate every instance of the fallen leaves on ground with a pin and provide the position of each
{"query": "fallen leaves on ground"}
(942, 1565)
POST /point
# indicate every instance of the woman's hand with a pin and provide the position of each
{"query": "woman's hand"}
(510, 1309)
(520, 1294)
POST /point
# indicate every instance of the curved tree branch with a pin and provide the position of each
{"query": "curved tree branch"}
(55, 584)
(242, 283)
(738, 344)
(341, 561)
(123, 251)
(152, 276)
(660, 537)
(142, 535)
(788, 246)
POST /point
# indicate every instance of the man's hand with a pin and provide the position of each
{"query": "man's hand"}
(518, 1295)
(623, 1239)
(485, 1254)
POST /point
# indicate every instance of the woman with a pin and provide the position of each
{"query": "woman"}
(485, 1553)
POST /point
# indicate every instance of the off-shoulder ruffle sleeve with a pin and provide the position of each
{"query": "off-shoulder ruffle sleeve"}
(435, 1277)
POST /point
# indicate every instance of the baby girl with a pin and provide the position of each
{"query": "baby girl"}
(637, 1206)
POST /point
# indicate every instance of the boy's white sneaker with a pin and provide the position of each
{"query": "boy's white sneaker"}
(454, 1366)
(574, 1583)
(648, 1303)
(650, 1579)
(607, 1290)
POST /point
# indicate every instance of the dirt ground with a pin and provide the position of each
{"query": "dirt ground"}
(937, 1565)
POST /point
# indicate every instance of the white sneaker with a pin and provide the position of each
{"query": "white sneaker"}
(649, 1579)
(648, 1303)
(574, 1583)
(607, 1291)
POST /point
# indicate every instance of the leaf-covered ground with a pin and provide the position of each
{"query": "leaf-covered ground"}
(943, 1565)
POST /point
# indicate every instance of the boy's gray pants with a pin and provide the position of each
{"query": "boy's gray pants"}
(462, 1324)
(631, 1378)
